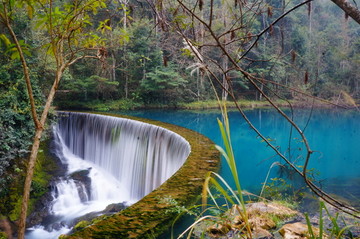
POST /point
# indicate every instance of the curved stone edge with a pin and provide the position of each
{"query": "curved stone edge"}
(152, 215)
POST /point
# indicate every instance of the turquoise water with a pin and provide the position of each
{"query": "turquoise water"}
(334, 135)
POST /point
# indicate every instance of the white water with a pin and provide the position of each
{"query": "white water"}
(126, 160)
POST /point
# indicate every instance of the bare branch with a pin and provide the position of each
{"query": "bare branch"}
(258, 36)
(349, 9)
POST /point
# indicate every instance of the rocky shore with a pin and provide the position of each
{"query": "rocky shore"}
(272, 220)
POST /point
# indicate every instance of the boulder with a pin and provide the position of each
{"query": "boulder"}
(218, 230)
(259, 233)
(115, 207)
(272, 208)
(82, 180)
(298, 230)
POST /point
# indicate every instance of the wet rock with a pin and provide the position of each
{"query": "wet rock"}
(259, 233)
(41, 210)
(82, 181)
(81, 175)
(273, 208)
(55, 226)
(218, 230)
(115, 207)
(261, 218)
(261, 215)
(110, 209)
(262, 221)
(43, 205)
(298, 230)
(294, 231)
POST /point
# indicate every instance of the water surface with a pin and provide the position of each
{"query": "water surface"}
(333, 135)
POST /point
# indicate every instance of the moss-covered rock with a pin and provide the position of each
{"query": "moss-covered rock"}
(81, 225)
(45, 168)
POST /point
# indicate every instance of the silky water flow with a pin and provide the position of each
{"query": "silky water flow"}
(119, 160)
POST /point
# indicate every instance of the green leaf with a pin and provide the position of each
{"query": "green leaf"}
(4, 40)
(30, 10)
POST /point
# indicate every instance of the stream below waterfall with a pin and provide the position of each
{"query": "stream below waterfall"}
(72, 198)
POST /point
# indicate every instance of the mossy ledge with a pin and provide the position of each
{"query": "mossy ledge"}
(152, 215)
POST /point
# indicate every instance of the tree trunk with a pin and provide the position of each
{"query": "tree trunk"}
(349, 9)
(27, 185)
(113, 70)
(126, 86)
(34, 153)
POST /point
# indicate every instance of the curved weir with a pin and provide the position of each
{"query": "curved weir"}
(140, 156)
(156, 153)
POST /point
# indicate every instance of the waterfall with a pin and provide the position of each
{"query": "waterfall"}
(122, 159)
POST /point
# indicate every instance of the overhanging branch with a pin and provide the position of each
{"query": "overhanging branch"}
(351, 10)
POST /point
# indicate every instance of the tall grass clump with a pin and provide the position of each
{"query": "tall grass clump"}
(335, 231)
(214, 182)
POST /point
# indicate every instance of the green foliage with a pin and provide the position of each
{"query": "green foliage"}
(162, 78)
(3, 235)
(11, 200)
(4, 41)
(163, 83)
(14, 53)
(68, 20)
(175, 207)
(149, 62)
(280, 189)
(16, 125)
(16, 205)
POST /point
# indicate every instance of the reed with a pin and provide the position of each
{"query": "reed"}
(214, 181)
(336, 231)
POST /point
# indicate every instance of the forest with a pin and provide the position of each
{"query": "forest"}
(129, 54)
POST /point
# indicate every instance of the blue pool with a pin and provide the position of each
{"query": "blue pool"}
(334, 136)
